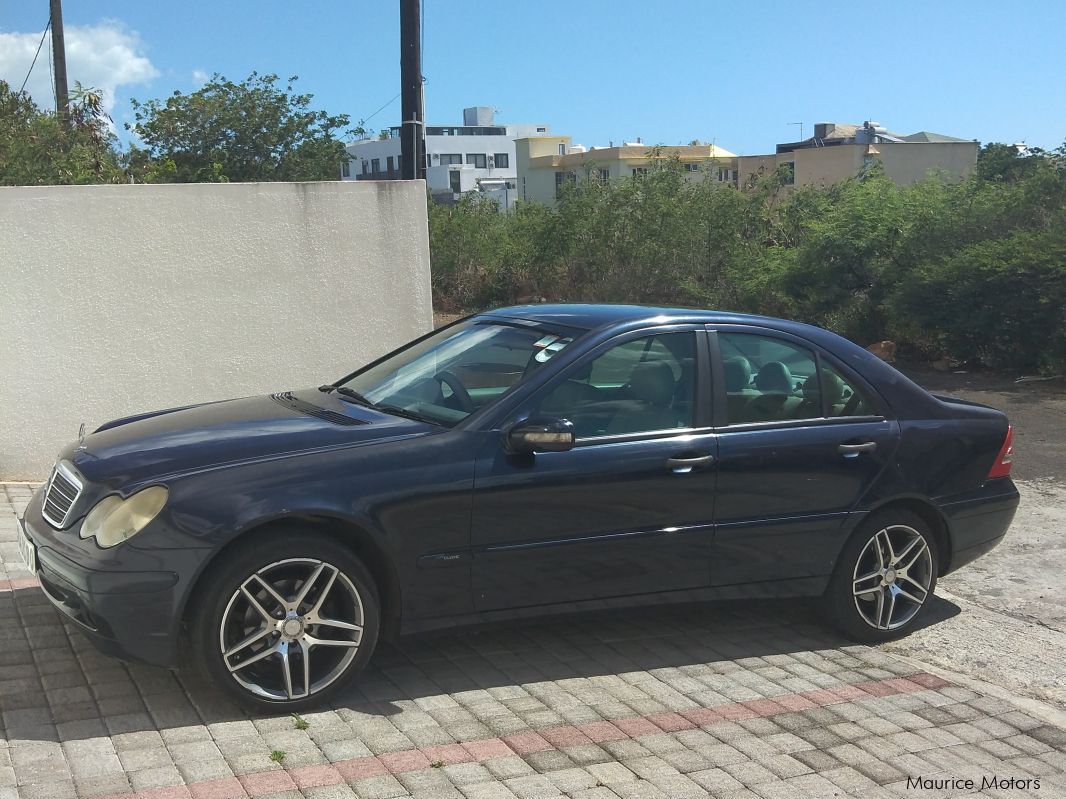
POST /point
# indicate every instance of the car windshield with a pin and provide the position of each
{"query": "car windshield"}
(458, 370)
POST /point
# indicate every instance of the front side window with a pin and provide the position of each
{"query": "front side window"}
(502, 160)
(459, 370)
(476, 159)
(451, 158)
(644, 385)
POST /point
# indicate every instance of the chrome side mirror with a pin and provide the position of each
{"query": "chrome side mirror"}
(541, 435)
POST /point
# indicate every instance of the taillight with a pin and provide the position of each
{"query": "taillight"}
(1001, 468)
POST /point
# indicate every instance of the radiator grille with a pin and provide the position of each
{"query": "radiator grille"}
(62, 493)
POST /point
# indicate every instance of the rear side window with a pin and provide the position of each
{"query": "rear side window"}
(768, 379)
(843, 397)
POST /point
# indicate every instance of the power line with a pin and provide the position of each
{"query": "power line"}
(390, 102)
(30, 71)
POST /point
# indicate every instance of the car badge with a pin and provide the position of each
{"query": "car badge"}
(81, 436)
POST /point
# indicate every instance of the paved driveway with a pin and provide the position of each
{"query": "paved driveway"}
(731, 700)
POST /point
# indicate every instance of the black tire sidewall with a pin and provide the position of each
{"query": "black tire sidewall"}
(839, 599)
(234, 565)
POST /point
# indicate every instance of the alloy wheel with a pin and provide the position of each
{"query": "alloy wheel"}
(892, 577)
(291, 629)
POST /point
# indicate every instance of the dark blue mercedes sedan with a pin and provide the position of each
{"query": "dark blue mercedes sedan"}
(525, 461)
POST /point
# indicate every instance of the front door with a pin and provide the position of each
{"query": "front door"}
(802, 441)
(629, 510)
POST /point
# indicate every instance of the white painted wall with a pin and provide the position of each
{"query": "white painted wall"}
(119, 299)
(438, 180)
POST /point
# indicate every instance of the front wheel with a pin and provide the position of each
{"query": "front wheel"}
(885, 577)
(284, 620)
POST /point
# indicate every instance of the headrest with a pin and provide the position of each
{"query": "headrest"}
(834, 387)
(653, 383)
(774, 378)
(737, 373)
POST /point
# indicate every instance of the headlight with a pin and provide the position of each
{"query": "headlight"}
(113, 519)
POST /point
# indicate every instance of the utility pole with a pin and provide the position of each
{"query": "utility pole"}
(59, 57)
(412, 114)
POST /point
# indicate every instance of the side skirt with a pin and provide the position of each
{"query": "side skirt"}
(799, 587)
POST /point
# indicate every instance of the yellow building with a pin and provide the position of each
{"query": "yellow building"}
(546, 163)
(837, 152)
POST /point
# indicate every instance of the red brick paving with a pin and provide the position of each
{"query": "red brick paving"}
(523, 743)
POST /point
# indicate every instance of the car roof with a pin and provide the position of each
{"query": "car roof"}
(589, 316)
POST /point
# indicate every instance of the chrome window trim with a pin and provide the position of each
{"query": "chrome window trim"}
(67, 469)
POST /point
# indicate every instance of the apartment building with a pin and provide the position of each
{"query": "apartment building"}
(837, 152)
(546, 163)
(478, 155)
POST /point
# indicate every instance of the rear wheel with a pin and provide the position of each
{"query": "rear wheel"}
(284, 620)
(885, 577)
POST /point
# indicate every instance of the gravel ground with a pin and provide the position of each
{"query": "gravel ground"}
(1002, 619)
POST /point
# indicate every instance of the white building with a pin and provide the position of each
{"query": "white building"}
(478, 155)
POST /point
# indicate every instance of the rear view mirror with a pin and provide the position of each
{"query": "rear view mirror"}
(542, 435)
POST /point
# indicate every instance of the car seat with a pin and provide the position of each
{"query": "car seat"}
(651, 391)
(738, 386)
(777, 398)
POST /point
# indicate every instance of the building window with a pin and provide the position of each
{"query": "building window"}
(451, 158)
(502, 160)
(454, 181)
(476, 159)
(561, 179)
(562, 149)
(692, 167)
(389, 163)
(366, 166)
(375, 165)
(640, 171)
(790, 173)
(346, 169)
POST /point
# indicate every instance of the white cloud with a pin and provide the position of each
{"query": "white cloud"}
(103, 56)
(199, 77)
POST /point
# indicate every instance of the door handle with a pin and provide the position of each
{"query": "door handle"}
(685, 464)
(855, 450)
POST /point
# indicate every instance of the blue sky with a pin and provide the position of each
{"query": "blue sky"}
(667, 71)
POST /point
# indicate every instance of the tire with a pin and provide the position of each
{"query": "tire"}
(241, 634)
(886, 574)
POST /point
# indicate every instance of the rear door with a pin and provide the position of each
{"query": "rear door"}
(801, 441)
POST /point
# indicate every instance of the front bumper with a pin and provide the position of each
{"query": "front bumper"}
(132, 614)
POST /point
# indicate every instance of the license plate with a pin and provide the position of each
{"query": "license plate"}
(28, 550)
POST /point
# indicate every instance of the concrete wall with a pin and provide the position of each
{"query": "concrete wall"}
(911, 162)
(119, 299)
(904, 162)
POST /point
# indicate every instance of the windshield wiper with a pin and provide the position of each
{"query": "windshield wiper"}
(344, 391)
(396, 410)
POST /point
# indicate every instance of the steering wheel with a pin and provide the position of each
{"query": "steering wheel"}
(458, 390)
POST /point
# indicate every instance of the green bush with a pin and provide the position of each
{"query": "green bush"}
(971, 270)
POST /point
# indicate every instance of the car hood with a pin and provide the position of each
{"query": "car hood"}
(171, 442)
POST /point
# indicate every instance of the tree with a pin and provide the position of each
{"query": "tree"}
(258, 129)
(35, 149)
